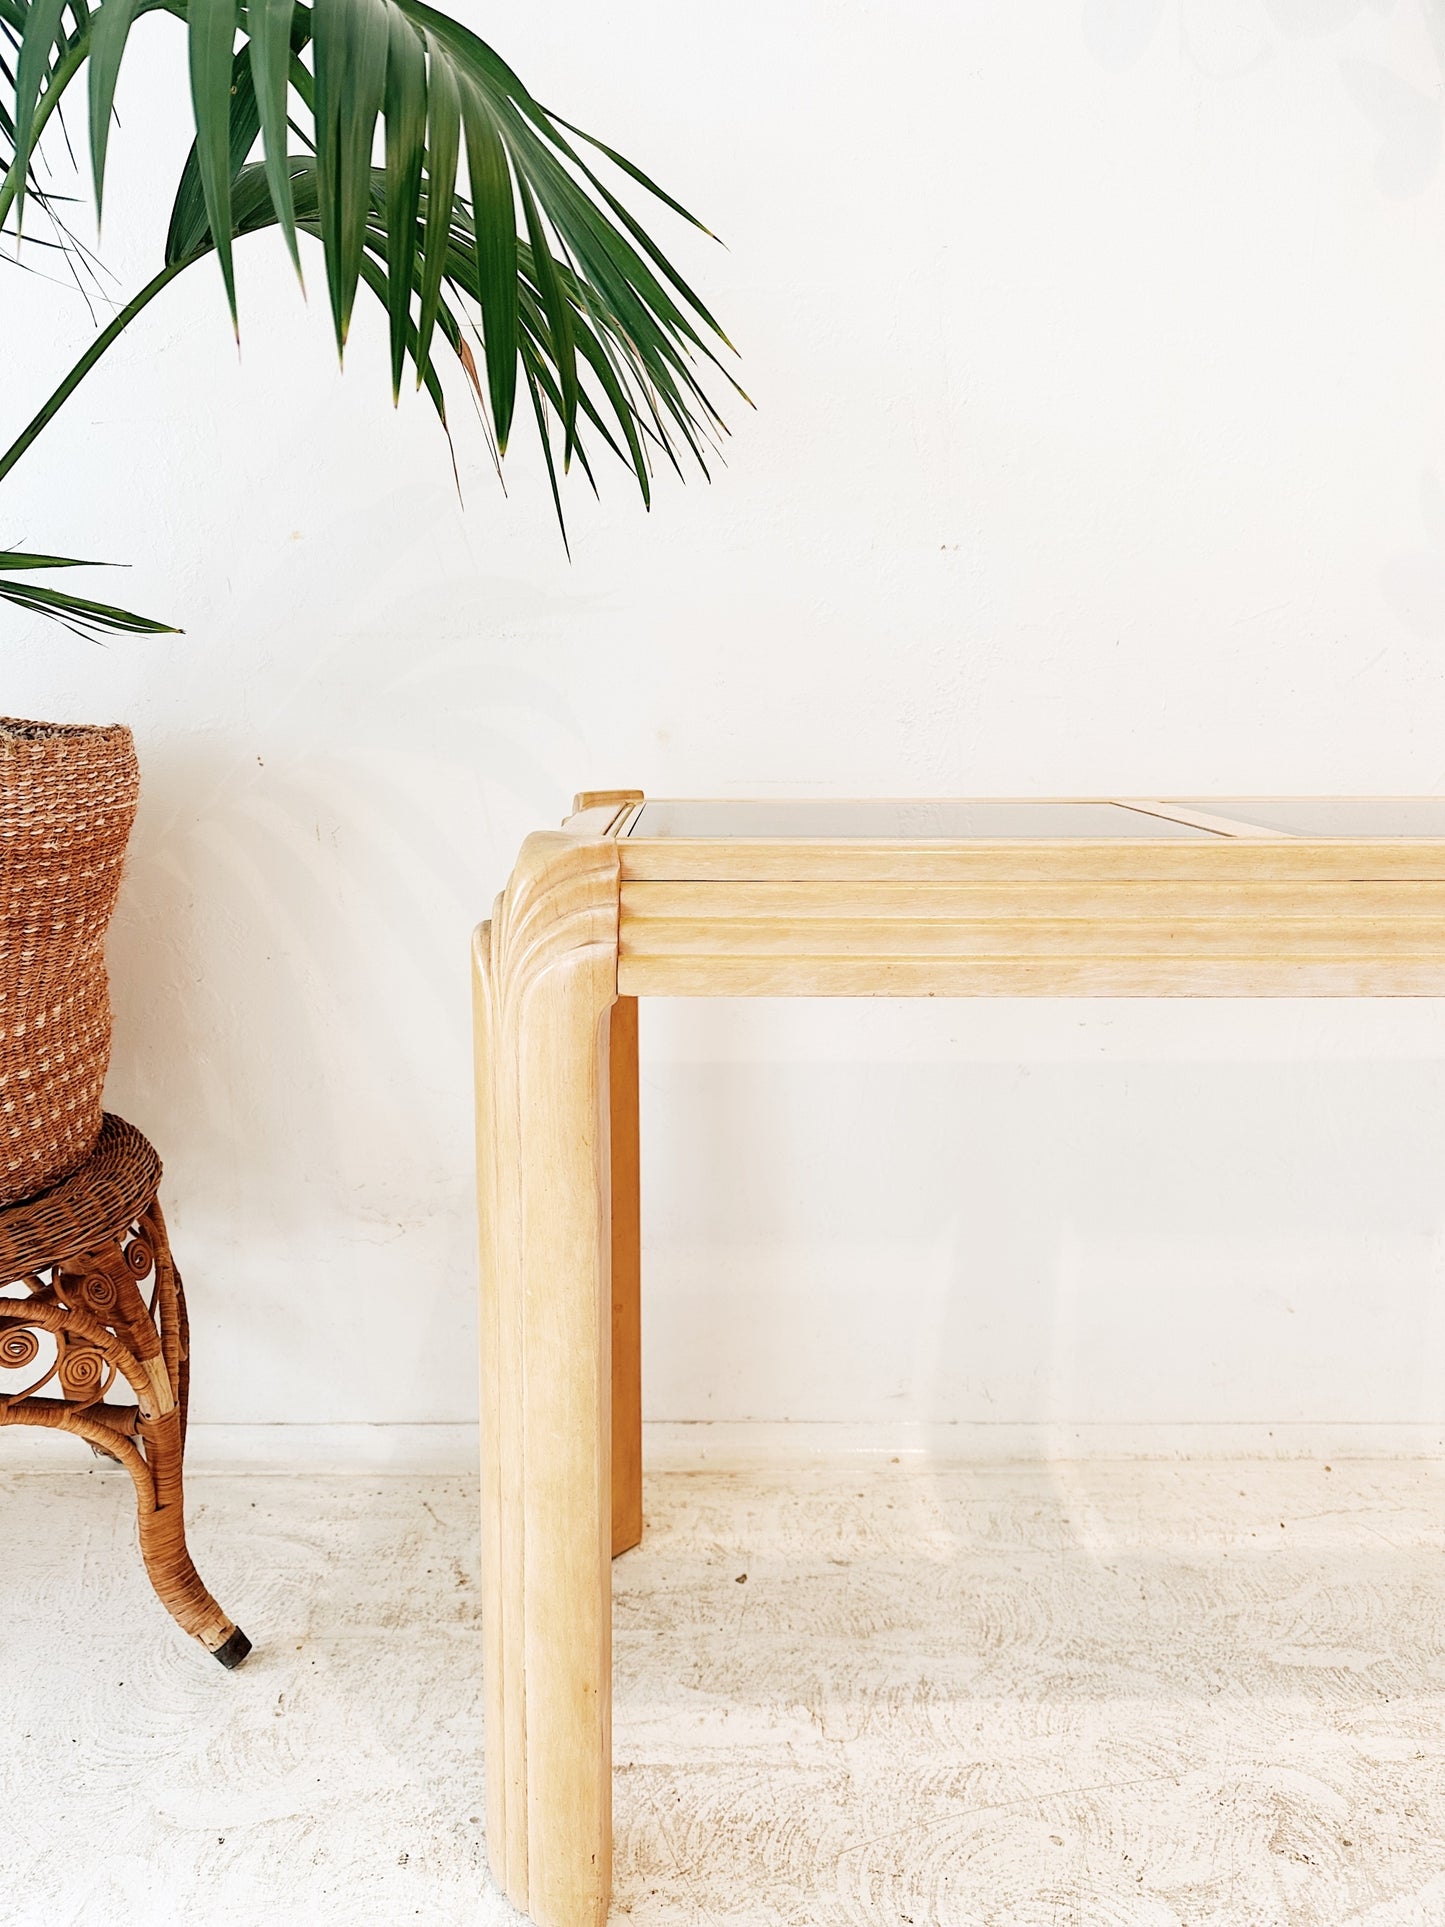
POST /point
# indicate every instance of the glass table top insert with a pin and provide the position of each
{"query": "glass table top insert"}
(1327, 816)
(822, 817)
(924, 818)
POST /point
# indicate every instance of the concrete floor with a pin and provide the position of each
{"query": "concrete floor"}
(1098, 1695)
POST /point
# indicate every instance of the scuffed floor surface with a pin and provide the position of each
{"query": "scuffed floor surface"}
(1105, 1695)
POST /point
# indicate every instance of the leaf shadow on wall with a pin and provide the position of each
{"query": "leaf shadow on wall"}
(290, 960)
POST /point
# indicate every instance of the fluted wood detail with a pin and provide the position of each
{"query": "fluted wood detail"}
(545, 981)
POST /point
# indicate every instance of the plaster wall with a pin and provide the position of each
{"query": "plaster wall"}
(1099, 443)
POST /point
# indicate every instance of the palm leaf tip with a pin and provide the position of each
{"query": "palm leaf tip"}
(212, 59)
(483, 209)
(84, 617)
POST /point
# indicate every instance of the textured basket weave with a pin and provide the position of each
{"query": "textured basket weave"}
(116, 1184)
(67, 801)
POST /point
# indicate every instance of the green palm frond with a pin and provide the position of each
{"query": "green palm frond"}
(485, 214)
(77, 257)
(87, 619)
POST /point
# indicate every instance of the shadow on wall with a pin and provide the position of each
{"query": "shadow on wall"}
(290, 958)
(1046, 1243)
(1225, 43)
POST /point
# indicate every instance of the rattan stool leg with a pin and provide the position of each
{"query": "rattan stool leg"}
(163, 1527)
(91, 1309)
(163, 1547)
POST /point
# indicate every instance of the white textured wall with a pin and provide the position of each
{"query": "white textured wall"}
(1099, 354)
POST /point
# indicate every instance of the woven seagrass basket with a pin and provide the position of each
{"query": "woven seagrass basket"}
(67, 801)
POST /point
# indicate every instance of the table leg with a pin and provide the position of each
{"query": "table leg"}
(626, 1283)
(546, 979)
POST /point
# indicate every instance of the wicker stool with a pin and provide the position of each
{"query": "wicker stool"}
(80, 1254)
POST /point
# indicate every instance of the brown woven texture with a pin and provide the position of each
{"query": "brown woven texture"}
(68, 797)
(76, 1322)
(113, 1187)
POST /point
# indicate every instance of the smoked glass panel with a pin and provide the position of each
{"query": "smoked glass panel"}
(822, 817)
(1363, 816)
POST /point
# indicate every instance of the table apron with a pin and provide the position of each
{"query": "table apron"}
(1337, 937)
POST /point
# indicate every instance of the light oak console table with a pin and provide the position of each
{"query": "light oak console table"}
(1305, 897)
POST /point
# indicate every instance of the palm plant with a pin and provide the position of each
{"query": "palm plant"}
(538, 259)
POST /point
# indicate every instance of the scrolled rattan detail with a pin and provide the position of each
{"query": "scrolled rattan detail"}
(19, 1347)
(79, 1254)
(84, 1373)
(100, 1292)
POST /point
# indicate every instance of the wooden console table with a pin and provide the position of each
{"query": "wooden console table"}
(1124, 898)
